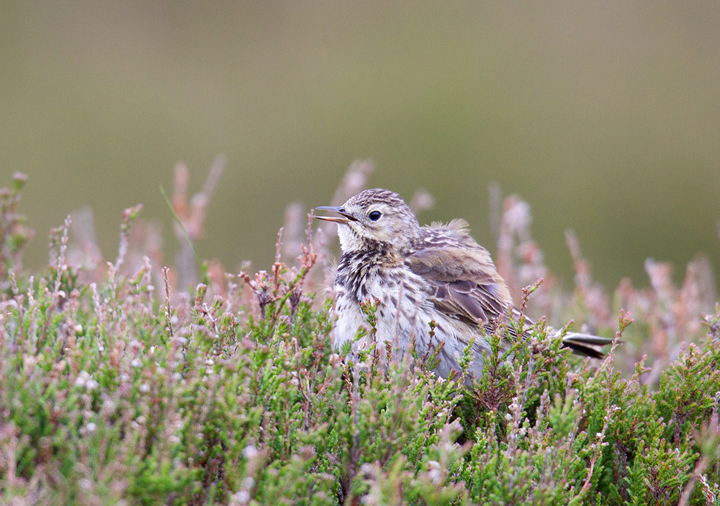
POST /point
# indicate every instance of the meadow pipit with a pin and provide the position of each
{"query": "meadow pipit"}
(419, 275)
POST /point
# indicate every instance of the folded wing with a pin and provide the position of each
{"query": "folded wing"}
(465, 286)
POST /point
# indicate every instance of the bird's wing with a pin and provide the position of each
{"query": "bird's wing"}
(465, 283)
(467, 287)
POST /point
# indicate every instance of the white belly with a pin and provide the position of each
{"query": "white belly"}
(403, 325)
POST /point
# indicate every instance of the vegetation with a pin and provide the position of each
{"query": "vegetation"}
(116, 387)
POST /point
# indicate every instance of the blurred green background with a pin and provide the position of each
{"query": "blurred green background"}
(604, 116)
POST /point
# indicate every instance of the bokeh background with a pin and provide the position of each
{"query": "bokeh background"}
(604, 116)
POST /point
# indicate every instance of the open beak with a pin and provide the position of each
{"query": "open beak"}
(344, 217)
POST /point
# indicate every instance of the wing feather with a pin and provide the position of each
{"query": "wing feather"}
(465, 283)
(466, 286)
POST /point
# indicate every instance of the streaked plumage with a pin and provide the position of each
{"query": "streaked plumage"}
(420, 274)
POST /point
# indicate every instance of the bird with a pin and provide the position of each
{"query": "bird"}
(435, 287)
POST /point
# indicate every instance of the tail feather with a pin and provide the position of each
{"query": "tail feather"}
(582, 344)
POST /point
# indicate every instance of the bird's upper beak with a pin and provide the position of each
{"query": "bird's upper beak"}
(344, 217)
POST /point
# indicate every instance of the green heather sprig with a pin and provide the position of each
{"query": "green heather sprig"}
(113, 392)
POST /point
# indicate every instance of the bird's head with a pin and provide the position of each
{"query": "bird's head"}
(374, 218)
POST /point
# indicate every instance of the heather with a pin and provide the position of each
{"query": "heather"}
(147, 381)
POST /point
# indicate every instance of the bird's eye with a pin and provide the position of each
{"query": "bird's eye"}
(375, 215)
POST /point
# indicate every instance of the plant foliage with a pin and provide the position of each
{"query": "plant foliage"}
(113, 393)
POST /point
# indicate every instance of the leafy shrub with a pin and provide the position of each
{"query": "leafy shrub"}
(113, 393)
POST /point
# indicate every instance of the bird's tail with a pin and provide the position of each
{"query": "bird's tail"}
(583, 344)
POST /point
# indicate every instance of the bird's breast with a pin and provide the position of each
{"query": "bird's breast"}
(399, 296)
(404, 314)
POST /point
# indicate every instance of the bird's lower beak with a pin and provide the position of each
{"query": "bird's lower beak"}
(344, 217)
